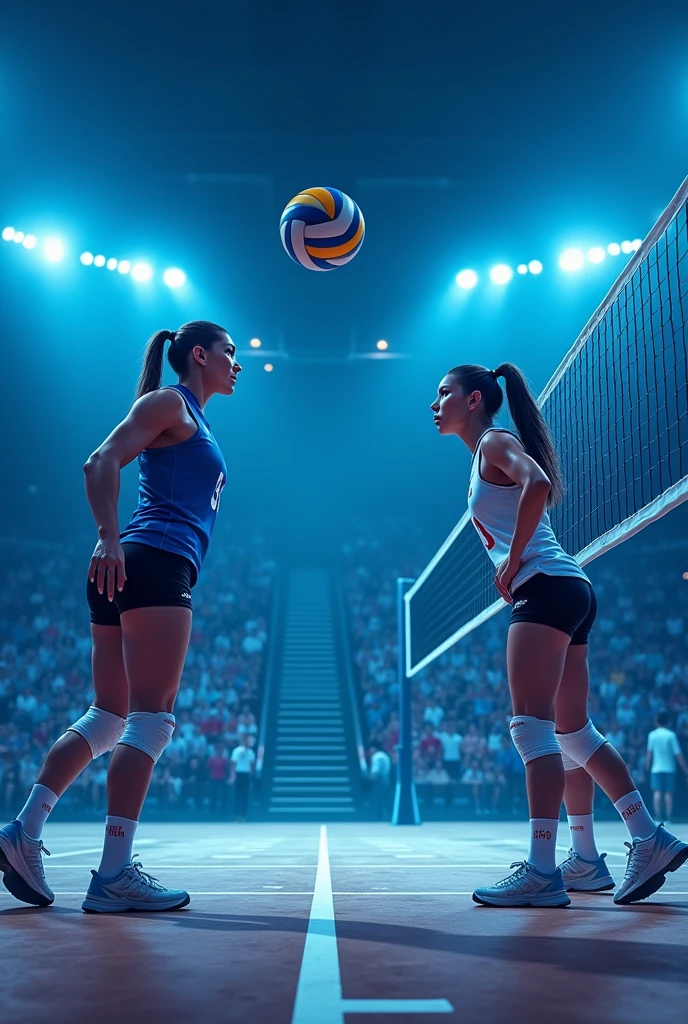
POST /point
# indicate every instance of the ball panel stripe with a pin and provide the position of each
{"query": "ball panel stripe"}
(342, 260)
(325, 198)
(308, 214)
(339, 226)
(300, 253)
(306, 198)
(337, 250)
(341, 238)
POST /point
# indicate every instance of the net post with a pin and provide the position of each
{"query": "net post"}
(405, 803)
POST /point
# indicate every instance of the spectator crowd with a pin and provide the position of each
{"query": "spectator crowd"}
(46, 682)
(464, 761)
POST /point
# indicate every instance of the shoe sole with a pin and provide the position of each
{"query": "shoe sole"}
(94, 906)
(600, 888)
(655, 882)
(548, 902)
(17, 885)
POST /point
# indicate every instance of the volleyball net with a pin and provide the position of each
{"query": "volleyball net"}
(617, 407)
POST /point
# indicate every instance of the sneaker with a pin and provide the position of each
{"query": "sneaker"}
(585, 875)
(131, 889)
(526, 887)
(649, 860)
(21, 863)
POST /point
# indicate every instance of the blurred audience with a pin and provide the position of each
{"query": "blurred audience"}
(463, 756)
(45, 675)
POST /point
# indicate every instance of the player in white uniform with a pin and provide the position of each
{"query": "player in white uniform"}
(514, 479)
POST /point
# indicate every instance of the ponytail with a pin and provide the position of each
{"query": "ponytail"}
(150, 377)
(528, 419)
(184, 340)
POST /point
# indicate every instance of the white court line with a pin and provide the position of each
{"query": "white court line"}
(336, 892)
(319, 990)
(231, 856)
(97, 849)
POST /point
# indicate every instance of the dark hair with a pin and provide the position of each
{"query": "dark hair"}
(662, 718)
(196, 332)
(528, 419)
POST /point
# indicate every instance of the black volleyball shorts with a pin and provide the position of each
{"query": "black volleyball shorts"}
(155, 579)
(567, 603)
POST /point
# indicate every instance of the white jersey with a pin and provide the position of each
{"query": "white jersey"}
(493, 509)
(663, 744)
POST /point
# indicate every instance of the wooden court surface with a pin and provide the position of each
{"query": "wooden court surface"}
(339, 924)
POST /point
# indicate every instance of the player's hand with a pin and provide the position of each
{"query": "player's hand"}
(107, 564)
(505, 575)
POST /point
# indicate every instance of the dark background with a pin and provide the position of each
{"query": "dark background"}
(176, 132)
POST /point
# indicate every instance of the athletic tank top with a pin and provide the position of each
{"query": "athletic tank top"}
(179, 491)
(493, 509)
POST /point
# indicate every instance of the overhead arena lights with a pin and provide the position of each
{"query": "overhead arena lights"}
(53, 250)
(501, 274)
(255, 342)
(174, 277)
(382, 345)
(467, 279)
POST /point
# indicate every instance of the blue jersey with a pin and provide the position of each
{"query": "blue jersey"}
(179, 491)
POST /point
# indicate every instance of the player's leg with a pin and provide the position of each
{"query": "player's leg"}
(96, 732)
(669, 784)
(154, 644)
(653, 850)
(536, 656)
(585, 869)
(657, 802)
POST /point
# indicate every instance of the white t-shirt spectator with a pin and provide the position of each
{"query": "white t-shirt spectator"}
(451, 746)
(434, 715)
(243, 758)
(663, 744)
(380, 766)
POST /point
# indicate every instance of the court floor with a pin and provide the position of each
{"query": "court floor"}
(339, 924)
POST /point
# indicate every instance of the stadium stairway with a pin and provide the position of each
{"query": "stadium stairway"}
(314, 759)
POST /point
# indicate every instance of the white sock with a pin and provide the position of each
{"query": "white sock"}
(583, 836)
(119, 841)
(635, 815)
(543, 845)
(35, 811)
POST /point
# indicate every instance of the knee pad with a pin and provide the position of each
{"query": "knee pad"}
(101, 730)
(580, 746)
(533, 737)
(148, 732)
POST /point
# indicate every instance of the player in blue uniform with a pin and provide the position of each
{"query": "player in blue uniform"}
(139, 593)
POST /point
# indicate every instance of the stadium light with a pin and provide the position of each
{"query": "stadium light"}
(7, 234)
(501, 274)
(30, 242)
(174, 277)
(467, 279)
(18, 237)
(597, 254)
(142, 271)
(53, 250)
(255, 342)
(571, 259)
(636, 243)
(124, 267)
(627, 247)
(522, 268)
(99, 261)
(86, 258)
(111, 263)
(614, 249)
(535, 267)
(268, 367)
(382, 345)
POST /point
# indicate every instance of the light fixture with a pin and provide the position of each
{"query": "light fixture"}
(467, 279)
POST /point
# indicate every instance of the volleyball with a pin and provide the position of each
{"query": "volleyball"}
(322, 228)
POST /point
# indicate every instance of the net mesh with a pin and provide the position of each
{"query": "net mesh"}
(617, 407)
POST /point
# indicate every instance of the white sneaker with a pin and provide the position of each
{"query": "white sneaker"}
(526, 887)
(21, 863)
(585, 875)
(131, 889)
(649, 860)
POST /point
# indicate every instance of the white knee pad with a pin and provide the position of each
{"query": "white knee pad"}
(101, 730)
(579, 746)
(533, 737)
(148, 732)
